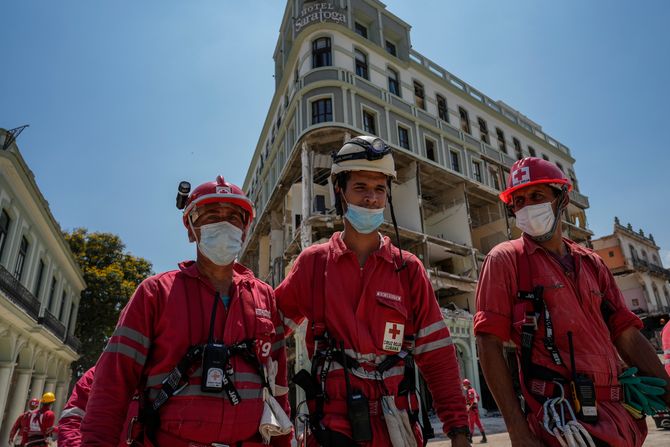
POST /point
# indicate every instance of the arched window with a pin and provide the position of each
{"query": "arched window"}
(361, 64)
(656, 295)
(394, 82)
(321, 53)
(633, 253)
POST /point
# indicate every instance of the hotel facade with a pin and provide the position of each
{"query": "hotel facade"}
(347, 67)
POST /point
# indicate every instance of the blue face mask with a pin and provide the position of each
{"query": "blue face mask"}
(364, 220)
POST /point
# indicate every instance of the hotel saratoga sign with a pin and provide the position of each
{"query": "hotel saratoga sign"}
(318, 12)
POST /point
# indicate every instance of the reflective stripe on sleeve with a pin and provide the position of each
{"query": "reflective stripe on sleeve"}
(431, 329)
(276, 346)
(666, 352)
(291, 324)
(441, 343)
(133, 335)
(127, 351)
(74, 411)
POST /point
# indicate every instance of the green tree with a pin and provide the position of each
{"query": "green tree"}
(111, 276)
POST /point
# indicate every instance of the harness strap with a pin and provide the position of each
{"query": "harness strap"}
(607, 393)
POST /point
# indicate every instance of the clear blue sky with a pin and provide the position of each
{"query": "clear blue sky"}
(126, 98)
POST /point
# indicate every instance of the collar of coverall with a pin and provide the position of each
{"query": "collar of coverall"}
(386, 249)
(240, 272)
(573, 247)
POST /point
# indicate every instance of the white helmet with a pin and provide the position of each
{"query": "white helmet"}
(364, 153)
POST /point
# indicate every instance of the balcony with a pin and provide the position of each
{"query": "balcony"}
(579, 199)
(646, 266)
(50, 322)
(18, 294)
(73, 342)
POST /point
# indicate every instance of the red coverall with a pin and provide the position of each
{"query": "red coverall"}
(574, 303)
(69, 424)
(472, 404)
(665, 340)
(366, 307)
(167, 314)
(40, 425)
(20, 427)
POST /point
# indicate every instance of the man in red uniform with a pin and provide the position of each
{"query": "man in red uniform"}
(472, 405)
(372, 313)
(21, 424)
(69, 424)
(40, 423)
(542, 291)
(195, 342)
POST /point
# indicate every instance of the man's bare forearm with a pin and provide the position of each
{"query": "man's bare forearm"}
(499, 381)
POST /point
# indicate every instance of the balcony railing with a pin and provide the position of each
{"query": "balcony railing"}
(18, 294)
(73, 342)
(579, 199)
(641, 264)
(50, 322)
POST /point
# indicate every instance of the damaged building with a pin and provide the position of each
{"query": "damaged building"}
(345, 68)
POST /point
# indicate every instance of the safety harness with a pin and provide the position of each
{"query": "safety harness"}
(179, 378)
(328, 350)
(540, 381)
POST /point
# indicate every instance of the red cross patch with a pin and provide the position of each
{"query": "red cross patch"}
(393, 336)
(521, 175)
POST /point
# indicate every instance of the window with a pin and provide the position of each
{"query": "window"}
(40, 277)
(322, 111)
(361, 29)
(477, 170)
(21, 259)
(394, 83)
(455, 162)
(633, 253)
(501, 140)
(391, 49)
(531, 151)
(442, 108)
(611, 254)
(636, 302)
(369, 124)
(484, 130)
(430, 149)
(52, 291)
(517, 148)
(544, 157)
(495, 180)
(419, 95)
(465, 120)
(73, 311)
(321, 55)
(62, 306)
(361, 64)
(560, 166)
(403, 137)
(4, 229)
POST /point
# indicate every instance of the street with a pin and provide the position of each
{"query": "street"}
(656, 438)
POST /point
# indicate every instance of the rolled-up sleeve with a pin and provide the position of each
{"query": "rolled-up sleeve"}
(496, 289)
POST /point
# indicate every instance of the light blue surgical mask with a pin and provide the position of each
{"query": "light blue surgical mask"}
(364, 220)
(220, 242)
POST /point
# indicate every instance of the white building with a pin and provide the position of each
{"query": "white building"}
(347, 67)
(40, 286)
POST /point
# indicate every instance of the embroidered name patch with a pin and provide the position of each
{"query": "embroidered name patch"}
(264, 313)
(389, 296)
(393, 334)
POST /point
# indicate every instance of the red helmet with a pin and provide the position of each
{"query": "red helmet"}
(218, 191)
(532, 171)
(33, 403)
(466, 382)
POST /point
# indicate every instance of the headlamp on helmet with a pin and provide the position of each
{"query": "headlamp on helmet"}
(374, 150)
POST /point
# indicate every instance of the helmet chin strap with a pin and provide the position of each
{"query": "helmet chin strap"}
(559, 209)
